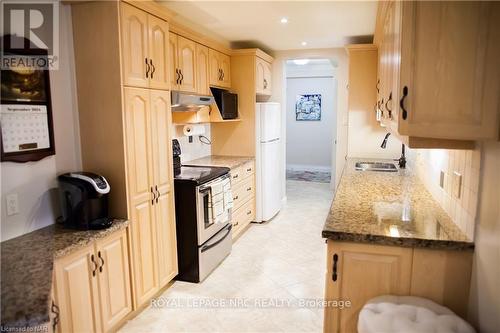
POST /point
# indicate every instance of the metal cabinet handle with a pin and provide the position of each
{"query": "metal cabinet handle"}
(235, 224)
(220, 74)
(178, 75)
(235, 176)
(102, 261)
(381, 105)
(182, 76)
(376, 86)
(153, 67)
(223, 74)
(249, 212)
(157, 193)
(401, 102)
(147, 67)
(154, 196)
(265, 84)
(92, 258)
(334, 274)
(236, 197)
(249, 169)
(55, 310)
(249, 188)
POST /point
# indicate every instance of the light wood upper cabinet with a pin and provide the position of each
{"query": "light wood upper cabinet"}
(359, 272)
(135, 51)
(202, 70)
(158, 53)
(173, 62)
(263, 71)
(114, 279)
(144, 49)
(439, 61)
(220, 69)
(77, 291)
(183, 63)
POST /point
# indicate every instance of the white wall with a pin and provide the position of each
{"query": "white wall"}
(195, 149)
(309, 143)
(484, 302)
(339, 60)
(35, 182)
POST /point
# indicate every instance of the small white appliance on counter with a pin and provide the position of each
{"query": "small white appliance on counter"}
(268, 148)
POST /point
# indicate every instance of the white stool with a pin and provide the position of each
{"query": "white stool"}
(409, 314)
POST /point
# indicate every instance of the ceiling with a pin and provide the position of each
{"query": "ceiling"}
(321, 24)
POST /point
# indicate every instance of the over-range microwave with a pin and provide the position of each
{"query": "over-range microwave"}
(227, 103)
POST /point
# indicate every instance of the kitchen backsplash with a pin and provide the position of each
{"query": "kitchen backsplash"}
(461, 208)
(195, 149)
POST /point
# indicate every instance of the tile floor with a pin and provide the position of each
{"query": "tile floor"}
(308, 176)
(280, 261)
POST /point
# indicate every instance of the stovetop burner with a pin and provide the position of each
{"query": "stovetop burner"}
(199, 174)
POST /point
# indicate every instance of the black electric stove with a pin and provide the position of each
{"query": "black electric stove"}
(199, 174)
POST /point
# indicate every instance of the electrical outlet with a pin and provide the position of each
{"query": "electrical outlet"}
(12, 204)
(457, 184)
(442, 176)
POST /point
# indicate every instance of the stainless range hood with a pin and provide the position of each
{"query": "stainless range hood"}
(182, 102)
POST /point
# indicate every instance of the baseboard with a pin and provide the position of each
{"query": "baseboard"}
(300, 167)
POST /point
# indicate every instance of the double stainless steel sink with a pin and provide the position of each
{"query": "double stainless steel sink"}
(376, 166)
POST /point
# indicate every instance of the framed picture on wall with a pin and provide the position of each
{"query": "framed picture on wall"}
(308, 107)
(26, 113)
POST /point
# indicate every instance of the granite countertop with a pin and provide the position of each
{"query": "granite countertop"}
(390, 208)
(27, 265)
(230, 162)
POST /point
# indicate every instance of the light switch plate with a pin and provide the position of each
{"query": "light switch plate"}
(442, 176)
(457, 184)
(12, 204)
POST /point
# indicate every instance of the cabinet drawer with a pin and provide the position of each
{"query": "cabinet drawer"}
(243, 216)
(248, 169)
(236, 176)
(244, 190)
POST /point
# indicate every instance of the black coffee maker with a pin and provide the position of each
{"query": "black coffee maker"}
(84, 200)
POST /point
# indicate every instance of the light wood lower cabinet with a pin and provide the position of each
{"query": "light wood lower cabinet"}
(243, 189)
(93, 286)
(358, 272)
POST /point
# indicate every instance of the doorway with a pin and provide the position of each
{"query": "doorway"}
(311, 117)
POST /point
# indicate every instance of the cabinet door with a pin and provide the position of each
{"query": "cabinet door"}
(449, 64)
(158, 53)
(225, 65)
(77, 292)
(259, 76)
(187, 64)
(214, 67)
(173, 62)
(166, 238)
(134, 46)
(363, 271)
(114, 279)
(140, 179)
(202, 70)
(268, 74)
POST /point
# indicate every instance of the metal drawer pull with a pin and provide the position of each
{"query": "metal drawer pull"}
(386, 107)
(182, 76)
(236, 197)
(334, 274)
(55, 310)
(249, 212)
(249, 169)
(154, 196)
(235, 224)
(402, 104)
(249, 188)
(157, 193)
(102, 261)
(235, 176)
(92, 258)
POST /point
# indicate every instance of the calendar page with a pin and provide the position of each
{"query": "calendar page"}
(24, 127)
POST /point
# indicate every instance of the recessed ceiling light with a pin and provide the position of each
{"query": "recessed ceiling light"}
(301, 61)
(304, 43)
(284, 20)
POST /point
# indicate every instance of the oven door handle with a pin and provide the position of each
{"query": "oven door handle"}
(209, 246)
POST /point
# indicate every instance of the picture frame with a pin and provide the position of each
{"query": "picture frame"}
(308, 107)
(26, 124)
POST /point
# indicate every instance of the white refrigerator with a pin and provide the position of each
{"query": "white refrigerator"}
(268, 161)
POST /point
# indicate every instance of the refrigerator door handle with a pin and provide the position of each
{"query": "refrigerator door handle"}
(269, 141)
